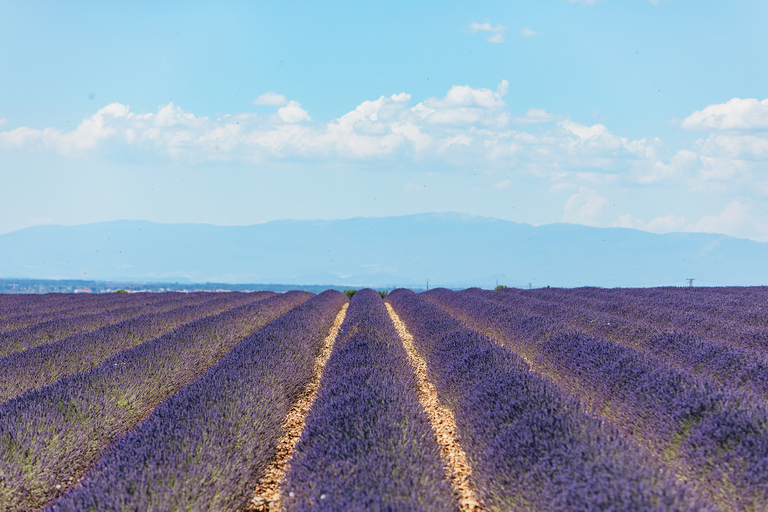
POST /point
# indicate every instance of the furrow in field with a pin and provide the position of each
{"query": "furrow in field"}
(207, 445)
(649, 306)
(367, 443)
(716, 440)
(43, 365)
(50, 331)
(457, 467)
(266, 496)
(77, 305)
(723, 365)
(530, 446)
(23, 304)
(52, 435)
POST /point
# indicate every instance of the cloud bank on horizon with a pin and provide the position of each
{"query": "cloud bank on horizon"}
(481, 149)
(468, 126)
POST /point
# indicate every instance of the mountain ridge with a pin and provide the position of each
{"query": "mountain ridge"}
(448, 249)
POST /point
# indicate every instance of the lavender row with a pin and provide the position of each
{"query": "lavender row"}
(367, 443)
(57, 328)
(26, 311)
(530, 447)
(10, 303)
(52, 435)
(45, 364)
(746, 306)
(207, 445)
(726, 366)
(716, 440)
(638, 307)
(13, 304)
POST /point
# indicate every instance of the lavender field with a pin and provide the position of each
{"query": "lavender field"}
(548, 399)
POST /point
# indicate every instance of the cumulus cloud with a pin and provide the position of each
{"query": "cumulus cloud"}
(85, 137)
(496, 31)
(734, 153)
(271, 99)
(732, 218)
(527, 32)
(735, 114)
(662, 224)
(585, 207)
(534, 116)
(293, 113)
(737, 218)
(468, 125)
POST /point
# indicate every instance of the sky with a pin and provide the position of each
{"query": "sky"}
(647, 114)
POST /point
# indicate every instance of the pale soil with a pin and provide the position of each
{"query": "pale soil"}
(456, 464)
(266, 495)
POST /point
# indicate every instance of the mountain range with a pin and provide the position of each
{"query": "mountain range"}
(445, 249)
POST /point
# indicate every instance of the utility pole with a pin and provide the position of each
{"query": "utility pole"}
(529, 286)
(690, 282)
(427, 284)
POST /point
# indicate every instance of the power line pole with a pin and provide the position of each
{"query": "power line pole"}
(427, 284)
(690, 282)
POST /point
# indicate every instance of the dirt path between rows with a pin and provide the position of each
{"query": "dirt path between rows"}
(456, 464)
(266, 496)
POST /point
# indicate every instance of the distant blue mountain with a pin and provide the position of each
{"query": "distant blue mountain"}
(448, 249)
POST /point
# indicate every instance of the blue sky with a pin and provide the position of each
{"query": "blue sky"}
(631, 113)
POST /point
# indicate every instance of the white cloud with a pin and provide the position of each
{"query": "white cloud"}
(497, 31)
(735, 114)
(271, 99)
(468, 125)
(2, 121)
(745, 146)
(731, 219)
(485, 27)
(497, 38)
(584, 207)
(503, 184)
(293, 113)
(527, 32)
(534, 116)
(737, 219)
(662, 224)
(85, 137)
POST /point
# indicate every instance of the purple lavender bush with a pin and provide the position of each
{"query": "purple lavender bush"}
(207, 445)
(726, 366)
(367, 444)
(52, 435)
(41, 366)
(530, 446)
(57, 328)
(717, 440)
(71, 305)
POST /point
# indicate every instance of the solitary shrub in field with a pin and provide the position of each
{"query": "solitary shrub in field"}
(349, 293)
(500, 287)
(383, 293)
